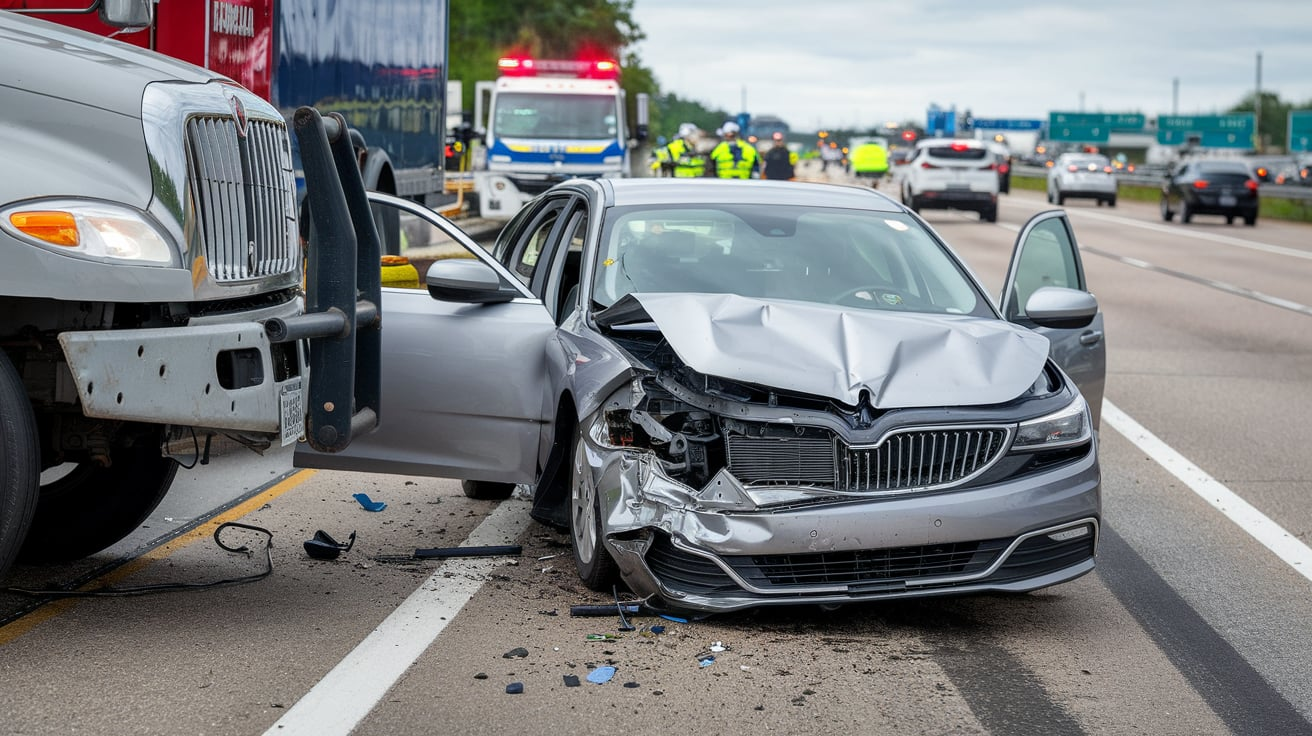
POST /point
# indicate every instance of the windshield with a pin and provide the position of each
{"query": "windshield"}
(855, 258)
(553, 115)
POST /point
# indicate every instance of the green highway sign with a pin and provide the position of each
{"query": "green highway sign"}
(1092, 127)
(1209, 131)
(1300, 130)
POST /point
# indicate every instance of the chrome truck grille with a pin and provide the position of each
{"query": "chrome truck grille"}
(242, 186)
(908, 460)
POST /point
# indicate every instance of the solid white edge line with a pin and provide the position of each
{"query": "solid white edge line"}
(1257, 524)
(348, 693)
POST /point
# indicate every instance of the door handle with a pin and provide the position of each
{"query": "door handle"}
(1091, 337)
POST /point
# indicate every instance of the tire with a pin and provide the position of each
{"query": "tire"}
(20, 464)
(1101, 202)
(1061, 199)
(1051, 199)
(1250, 220)
(1185, 214)
(483, 490)
(989, 215)
(1167, 214)
(92, 506)
(597, 569)
(1229, 219)
(1111, 202)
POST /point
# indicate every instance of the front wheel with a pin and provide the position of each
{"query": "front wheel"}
(20, 463)
(1185, 213)
(1167, 214)
(91, 506)
(596, 567)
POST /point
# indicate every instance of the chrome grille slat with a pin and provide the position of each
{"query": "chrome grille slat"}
(913, 459)
(245, 216)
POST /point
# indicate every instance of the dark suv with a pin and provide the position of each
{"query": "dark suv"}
(1226, 188)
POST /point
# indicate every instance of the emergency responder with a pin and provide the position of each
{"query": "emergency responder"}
(733, 158)
(780, 162)
(680, 158)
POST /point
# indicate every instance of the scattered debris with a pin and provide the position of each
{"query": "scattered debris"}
(571, 680)
(706, 661)
(324, 547)
(719, 647)
(552, 612)
(675, 619)
(516, 652)
(596, 611)
(488, 551)
(481, 676)
(367, 503)
(630, 684)
(514, 688)
(547, 557)
(657, 629)
(601, 675)
(601, 637)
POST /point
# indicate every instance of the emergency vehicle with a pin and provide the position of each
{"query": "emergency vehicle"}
(547, 120)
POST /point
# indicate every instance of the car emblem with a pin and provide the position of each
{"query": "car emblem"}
(239, 114)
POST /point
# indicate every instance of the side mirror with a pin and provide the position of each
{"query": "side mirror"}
(1061, 308)
(467, 280)
(127, 14)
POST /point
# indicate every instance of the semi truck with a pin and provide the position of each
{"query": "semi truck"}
(152, 289)
(543, 121)
(379, 63)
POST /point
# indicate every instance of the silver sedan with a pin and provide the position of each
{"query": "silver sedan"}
(1082, 175)
(737, 394)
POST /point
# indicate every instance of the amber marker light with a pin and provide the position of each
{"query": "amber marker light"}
(56, 228)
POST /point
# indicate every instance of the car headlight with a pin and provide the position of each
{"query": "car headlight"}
(1063, 428)
(90, 229)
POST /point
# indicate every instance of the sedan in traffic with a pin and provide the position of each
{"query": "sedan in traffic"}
(1211, 187)
(1086, 175)
(743, 394)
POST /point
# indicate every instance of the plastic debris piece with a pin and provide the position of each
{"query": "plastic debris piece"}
(481, 676)
(514, 688)
(488, 551)
(547, 557)
(601, 637)
(706, 662)
(367, 503)
(324, 547)
(630, 684)
(718, 647)
(516, 652)
(657, 629)
(675, 619)
(601, 675)
(552, 612)
(599, 611)
(571, 680)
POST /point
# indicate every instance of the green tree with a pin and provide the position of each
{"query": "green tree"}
(1274, 119)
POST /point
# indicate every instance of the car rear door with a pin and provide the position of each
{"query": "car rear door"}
(463, 384)
(1046, 254)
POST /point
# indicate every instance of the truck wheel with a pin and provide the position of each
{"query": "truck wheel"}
(91, 506)
(20, 463)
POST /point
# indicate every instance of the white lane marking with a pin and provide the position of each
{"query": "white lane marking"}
(347, 694)
(1257, 524)
(1195, 234)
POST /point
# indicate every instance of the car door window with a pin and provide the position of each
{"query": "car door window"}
(1047, 256)
(524, 256)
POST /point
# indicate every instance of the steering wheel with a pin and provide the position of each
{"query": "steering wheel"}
(873, 296)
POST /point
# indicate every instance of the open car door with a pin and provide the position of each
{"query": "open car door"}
(463, 376)
(1046, 254)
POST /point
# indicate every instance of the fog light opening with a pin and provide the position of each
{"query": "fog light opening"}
(1065, 535)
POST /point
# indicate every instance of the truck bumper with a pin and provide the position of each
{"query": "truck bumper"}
(214, 373)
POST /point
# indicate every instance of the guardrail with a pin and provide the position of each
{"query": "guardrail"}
(1154, 179)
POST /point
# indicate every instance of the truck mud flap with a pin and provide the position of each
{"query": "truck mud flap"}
(342, 320)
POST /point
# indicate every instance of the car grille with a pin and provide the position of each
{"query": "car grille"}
(243, 190)
(919, 459)
(866, 566)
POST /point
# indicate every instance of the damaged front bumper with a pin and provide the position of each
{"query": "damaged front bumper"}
(726, 546)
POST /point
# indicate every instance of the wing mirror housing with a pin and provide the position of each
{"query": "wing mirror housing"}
(1061, 308)
(467, 280)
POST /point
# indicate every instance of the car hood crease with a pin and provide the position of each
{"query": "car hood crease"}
(901, 360)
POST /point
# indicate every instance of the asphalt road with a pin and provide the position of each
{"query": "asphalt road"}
(1195, 621)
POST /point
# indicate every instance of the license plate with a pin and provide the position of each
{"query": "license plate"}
(291, 400)
(1227, 201)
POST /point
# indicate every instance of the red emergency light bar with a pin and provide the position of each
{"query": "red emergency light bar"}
(517, 66)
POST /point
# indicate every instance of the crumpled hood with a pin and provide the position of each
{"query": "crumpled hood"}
(903, 359)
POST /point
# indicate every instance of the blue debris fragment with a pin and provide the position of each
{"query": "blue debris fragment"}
(675, 619)
(706, 662)
(369, 504)
(657, 629)
(514, 688)
(601, 675)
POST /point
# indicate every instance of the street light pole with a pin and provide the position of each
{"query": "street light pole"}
(1257, 107)
(1175, 96)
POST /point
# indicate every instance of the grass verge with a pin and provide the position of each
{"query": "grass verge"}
(1276, 208)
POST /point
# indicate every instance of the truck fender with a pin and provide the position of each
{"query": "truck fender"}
(376, 170)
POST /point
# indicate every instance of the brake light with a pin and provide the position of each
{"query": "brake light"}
(1049, 164)
(1003, 168)
(1072, 167)
(991, 167)
(1262, 172)
(1251, 185)
(959, 146)
(927, 165)
(1106, 169)
(1200, 184)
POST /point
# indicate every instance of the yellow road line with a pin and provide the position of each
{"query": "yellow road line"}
(25, 624)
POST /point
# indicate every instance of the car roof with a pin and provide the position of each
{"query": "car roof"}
(675, 191)
(927, 142)
(1235, 166)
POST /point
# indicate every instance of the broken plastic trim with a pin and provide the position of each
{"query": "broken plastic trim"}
(324, 547)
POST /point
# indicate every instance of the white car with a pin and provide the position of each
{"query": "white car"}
(1087, 175)
(944, 173)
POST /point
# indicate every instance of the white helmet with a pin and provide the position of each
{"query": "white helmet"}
(687, 129)
(730, 127)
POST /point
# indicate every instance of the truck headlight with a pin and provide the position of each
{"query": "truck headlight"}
(90, 229)
(1063, 428)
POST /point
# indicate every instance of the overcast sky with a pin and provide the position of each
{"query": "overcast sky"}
(860, 63)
